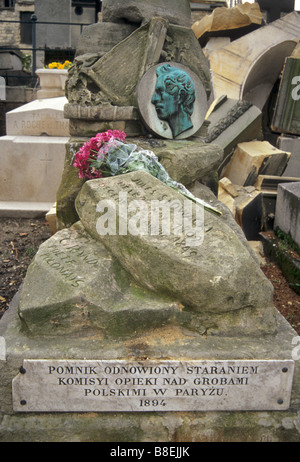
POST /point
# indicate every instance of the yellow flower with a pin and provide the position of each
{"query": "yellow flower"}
(56, 65)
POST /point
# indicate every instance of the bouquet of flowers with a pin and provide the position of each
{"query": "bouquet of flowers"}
(106, 154)
(92, 156)
(54, 65)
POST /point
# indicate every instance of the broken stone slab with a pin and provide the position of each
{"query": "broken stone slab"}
(227, 192)
(287, 215)
(215, 43)
(137, 12)
(185, 160)
(144, 46)
(226, 199)
(200, 190)
(246, 206)
(223, 18)
(249, 212)
(217, 277)
(226, 184)
(94, 80)
(291, 144)
(74, 284)
(286, 113)
(232, 122)
(255, 158)
(102, 37)
(248, 67)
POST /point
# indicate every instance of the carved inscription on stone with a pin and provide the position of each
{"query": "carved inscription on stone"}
(119, 385)
(66, 263)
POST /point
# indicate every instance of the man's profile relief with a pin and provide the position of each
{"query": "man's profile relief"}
(174, 98)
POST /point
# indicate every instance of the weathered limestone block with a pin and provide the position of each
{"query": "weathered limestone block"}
(94, 79)
(102, 37)
(217, 277)
(202, 160)
(82, 287)
(255, 158)
(185, 160)
(287, 216)
(182, 46)
(102, 74)
(245, 204)
(223, 19)
(227, 193)
(69, 187)
(248, 67)
(232, 122)
(291, 144)
(88, 120)
(203, 192)
(136, 12)
(249, 212)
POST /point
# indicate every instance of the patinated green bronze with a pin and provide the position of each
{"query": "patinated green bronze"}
(174, 98)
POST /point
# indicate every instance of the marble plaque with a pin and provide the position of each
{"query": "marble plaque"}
(131, 386)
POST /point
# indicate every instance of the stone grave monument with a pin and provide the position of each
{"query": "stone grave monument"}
(32, 157)
(146, 316)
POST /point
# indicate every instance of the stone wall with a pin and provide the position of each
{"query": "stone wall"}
(9, 32)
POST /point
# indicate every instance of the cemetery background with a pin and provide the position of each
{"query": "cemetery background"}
(28, 240)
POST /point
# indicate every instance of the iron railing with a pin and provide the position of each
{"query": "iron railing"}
(33, 48)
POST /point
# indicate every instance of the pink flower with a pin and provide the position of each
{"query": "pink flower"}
(91, 150)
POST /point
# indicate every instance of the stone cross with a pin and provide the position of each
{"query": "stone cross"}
(274, 8)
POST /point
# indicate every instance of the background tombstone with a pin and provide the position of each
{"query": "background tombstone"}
(286, 118)
(292, 145)
(287, 216)
(259, 56)
(32, 157)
